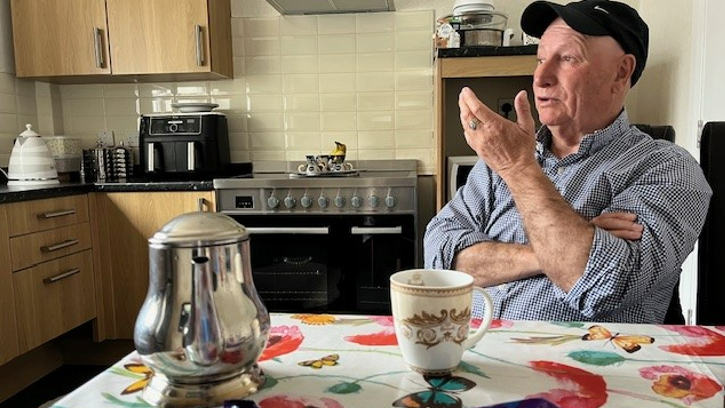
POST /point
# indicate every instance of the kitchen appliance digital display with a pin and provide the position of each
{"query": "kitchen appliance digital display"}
(176, 125)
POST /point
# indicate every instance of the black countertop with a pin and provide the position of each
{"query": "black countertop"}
(486, 51)
(10, 194)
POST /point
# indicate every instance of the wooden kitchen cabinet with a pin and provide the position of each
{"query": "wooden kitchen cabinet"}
(8, 331)
(52, 267)
(54, 37)
(490, 77)
(122, 223)
(122, 40)
(170, 36)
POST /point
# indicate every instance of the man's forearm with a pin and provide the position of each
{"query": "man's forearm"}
(559, 237)
(492, 263)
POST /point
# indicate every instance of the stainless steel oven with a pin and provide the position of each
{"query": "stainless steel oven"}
(326, 243)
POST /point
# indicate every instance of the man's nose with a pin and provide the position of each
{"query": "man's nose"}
(544, 74)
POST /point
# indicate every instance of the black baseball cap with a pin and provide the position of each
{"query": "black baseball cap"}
(594, 17)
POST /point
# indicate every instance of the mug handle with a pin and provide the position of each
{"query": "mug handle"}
(487, 318)
(302, 168)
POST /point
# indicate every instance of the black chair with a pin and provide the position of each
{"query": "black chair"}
(674, 311)
(711, 253)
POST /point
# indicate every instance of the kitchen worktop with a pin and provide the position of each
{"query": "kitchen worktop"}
(9, 194)
(486, 51)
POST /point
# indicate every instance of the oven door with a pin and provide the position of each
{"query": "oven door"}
(379, 246)
(295, 262)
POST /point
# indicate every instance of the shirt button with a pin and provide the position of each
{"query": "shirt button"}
(560, 171)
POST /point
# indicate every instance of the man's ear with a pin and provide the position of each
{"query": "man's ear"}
(625, 69)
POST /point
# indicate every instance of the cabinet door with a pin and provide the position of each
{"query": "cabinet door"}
(53, 298)
(160, 36)
(56, 38)
(123, 223)
(8, 331)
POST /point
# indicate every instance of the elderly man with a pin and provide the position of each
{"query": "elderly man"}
(589, 219)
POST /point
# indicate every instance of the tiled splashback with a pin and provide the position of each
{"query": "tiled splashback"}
(17, 107)
(300, 84)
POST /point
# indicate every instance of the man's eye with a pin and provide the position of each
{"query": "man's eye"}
(567, 58)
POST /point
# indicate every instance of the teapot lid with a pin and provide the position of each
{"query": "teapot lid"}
(199, 228)
(29, 132)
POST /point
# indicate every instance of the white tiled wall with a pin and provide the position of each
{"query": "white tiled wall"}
(18, 106)
(301, 83)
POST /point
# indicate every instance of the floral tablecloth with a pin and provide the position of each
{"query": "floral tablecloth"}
(336, 361)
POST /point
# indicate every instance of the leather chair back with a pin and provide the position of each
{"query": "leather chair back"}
(711, 247)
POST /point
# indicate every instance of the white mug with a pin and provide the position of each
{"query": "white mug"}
(432, 314)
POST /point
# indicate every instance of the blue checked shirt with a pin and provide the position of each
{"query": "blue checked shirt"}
(617, 169)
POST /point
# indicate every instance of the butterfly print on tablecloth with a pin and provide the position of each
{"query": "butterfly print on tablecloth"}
(329, 360)
(628, 343)
(441, 393)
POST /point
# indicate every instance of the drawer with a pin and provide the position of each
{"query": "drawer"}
(40, 215)
(32, 249)
(53, 298)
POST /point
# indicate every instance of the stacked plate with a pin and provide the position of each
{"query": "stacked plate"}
(191, 107)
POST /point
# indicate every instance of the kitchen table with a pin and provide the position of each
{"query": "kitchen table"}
(335, 361)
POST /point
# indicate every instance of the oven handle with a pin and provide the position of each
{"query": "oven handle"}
(289, 230)
(376, 230)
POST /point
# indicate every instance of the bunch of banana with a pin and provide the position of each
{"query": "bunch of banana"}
(339, 150)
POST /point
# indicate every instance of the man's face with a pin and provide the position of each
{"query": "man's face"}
(574, 83)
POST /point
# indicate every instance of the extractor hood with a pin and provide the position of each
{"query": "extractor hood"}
(299, 7)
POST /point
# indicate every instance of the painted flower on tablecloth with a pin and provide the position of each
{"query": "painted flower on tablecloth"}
(680, 383)
(282, 340)
(314, 319)
(495, 323)
(702, 341)
(579, 388)
(288, 401)
(385, 337)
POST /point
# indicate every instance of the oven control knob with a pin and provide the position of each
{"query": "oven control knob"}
(323, 202)
(390, 201)
(273, 202)
(374, 201)
(339, 201)
(289, 202)
(306, 202)
(356, 201)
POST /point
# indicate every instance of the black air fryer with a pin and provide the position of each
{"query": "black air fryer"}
(184, 146)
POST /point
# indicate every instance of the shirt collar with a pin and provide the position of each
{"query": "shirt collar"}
(590, 143)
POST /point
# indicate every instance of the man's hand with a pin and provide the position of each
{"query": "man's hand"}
(620, 224)
(504, 146)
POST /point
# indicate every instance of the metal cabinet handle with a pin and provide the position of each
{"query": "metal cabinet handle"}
(61, 276)
(97, 41)
(190, 156)
(376, 230)
(61, 245)
(151, 154)
(292, 230)
(199, 46)
(56, 214)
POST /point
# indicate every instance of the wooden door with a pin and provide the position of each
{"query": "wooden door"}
(8, 330)
(58, 38)
(123, 223)
(159, 36)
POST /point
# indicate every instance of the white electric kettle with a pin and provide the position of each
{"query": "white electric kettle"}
(31, 163)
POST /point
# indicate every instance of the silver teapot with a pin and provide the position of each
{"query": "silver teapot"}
(202, 326)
